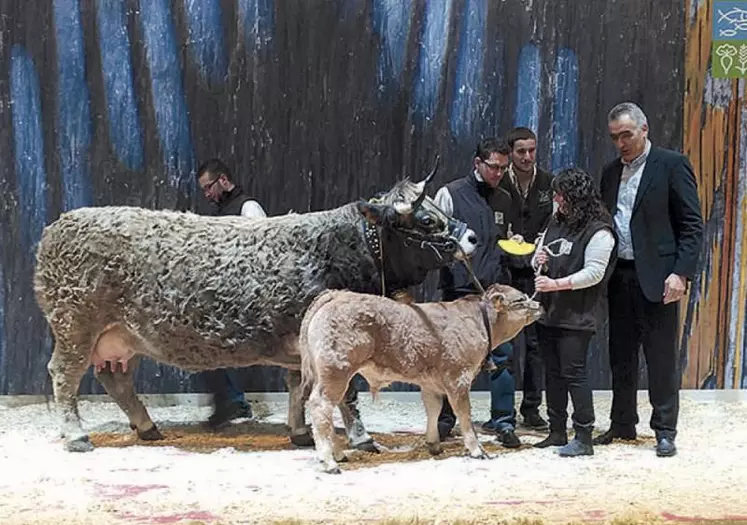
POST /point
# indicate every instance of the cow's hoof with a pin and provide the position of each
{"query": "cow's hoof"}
(79, 444)
(479, 455)
(435, 449)
(302, 440)
(327, 467)
(331, 469)
(368, 446)
(152, 434)
(342, 458)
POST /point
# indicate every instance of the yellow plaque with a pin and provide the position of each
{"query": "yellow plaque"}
(516, 248)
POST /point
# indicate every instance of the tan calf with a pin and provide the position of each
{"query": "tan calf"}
(440, 347)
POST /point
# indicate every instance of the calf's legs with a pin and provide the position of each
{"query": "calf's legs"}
(67, 367)
(121, 387)
(432, 402)
(460, 403)
(321, 408)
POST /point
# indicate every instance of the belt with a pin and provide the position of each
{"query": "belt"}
(625, 263)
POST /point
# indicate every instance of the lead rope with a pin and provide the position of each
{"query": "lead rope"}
(563, 250)
(468, 265)
(538, 270)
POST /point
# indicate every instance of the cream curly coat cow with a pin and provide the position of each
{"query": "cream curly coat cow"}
(117, 283)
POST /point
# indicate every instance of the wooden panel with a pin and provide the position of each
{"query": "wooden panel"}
(715, 139)
(314, 103)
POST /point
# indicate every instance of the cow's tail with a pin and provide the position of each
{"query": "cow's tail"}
(308, 370)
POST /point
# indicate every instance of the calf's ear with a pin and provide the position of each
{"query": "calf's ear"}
(378, 214)
(499, 301)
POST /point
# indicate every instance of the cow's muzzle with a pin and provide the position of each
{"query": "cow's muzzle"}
(534, 308)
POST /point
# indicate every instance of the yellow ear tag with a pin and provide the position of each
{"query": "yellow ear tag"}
(516, 248)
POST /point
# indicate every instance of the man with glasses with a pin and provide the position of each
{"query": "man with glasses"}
(531, 196)
(478, 200)
(216, 183)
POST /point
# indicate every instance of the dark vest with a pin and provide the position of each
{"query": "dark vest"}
(531, 215)
(485, 210)
(232, 201)
(574, 309)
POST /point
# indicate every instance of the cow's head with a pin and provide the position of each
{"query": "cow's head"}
(515, 311)
(416, 236)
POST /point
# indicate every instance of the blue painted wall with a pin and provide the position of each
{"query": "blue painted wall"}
(28, 142)
(73, 122)
(312, 103)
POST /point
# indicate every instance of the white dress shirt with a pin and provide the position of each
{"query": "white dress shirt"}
(253, 210)
(629, 182)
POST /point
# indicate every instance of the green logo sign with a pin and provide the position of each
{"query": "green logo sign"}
(729, 50)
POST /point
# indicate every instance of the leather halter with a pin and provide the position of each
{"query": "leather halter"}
(486, 322)
(373, 242)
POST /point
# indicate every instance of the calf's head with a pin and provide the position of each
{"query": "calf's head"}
(515, 310)
(416, 236)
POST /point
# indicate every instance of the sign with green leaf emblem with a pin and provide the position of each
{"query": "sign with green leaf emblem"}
(729, 50)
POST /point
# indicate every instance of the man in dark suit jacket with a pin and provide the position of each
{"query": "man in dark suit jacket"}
(652, 194)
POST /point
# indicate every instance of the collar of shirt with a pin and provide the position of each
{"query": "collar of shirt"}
(477, 176)
(640, 159)
(515, 181)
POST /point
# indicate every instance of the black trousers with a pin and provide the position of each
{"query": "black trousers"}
(565, 363)
(636, 321)
(523, 280)
(219, 383)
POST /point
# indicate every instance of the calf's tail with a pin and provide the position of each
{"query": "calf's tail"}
(308, 370)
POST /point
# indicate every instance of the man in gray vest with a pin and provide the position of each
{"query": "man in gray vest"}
(216, 183)
(478, 200)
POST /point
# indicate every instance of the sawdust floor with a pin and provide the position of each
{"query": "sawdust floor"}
(251, 436)
(249, 473)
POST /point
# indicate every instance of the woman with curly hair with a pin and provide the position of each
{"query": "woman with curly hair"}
(576, 255)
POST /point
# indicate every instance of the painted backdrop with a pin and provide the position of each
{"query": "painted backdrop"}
(312, 102)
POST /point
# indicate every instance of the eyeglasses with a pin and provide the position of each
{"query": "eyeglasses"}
(496, 167)
(209, 185)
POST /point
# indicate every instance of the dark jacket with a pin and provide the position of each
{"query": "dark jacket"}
(531, 215)
(666, 225)
(573, 309)
(486, 211)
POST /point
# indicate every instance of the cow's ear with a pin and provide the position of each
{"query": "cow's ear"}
(499, 301)
(378, 214)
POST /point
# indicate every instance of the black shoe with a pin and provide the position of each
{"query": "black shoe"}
(665, 448)
(444, 429)
(575, 448)
(534, 421)
(611, 434)
(555, 439)
(224, 413)
(508, 439)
